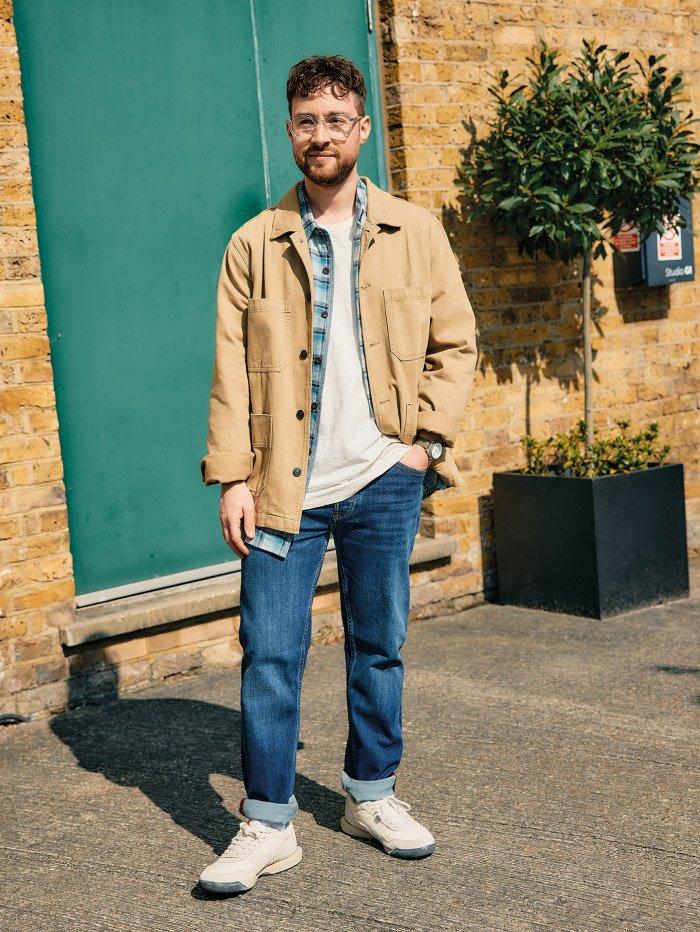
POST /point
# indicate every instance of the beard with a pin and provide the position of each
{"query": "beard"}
(328, 173)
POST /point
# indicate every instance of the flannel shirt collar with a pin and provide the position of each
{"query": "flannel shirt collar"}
(307, 218)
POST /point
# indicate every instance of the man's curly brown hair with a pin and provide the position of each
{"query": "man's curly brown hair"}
(321, 71)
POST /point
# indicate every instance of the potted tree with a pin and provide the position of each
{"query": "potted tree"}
(590, 527)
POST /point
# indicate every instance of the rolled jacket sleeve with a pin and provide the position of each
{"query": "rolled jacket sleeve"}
(229, 455)
(450, 360)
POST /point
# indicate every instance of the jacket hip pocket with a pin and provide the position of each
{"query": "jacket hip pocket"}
(267, 334)
(261, 442)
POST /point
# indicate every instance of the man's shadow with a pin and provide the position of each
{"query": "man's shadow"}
(169, 748)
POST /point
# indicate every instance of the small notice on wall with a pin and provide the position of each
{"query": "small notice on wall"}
(627, 240)
(669, 244)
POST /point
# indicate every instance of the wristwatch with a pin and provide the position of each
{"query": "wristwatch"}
(434, 447)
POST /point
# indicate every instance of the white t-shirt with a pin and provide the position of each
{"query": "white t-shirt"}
(351, 450)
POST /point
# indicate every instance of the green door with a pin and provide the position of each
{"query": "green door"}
(154, 132)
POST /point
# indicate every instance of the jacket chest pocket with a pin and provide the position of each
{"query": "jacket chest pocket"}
(267, 341)
(407, 311)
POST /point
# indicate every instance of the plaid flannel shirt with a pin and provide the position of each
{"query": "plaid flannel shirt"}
(279, 542)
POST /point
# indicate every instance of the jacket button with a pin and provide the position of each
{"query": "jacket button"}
(303, 354)
(326, 270)
(296, 471)
(324, 313)
(313, 405)
(300, 414)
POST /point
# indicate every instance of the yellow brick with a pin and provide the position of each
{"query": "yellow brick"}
(16, 242)
(193, 634)
(47, 470)
(12, 135)
(57, 566)
(9, 528)
(21, 294)
(325, 601)
(14, 163)
(21, 500)
(17, 215)
(16, 475)
(31, 321)
(11, 111)
(12, 627)
(11, 190)
(52, 519)
(166, 640)
(226, 653)
(10, 85)
(123, 651)
(15, 449)
(21, 346)
(39, 395)
(222, 627)
(46, 594)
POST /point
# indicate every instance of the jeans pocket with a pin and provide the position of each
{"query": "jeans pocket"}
(411, 469)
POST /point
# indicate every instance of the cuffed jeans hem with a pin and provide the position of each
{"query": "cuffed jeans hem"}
(273, 812)
(363, 791)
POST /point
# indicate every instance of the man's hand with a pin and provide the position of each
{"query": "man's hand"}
(417, 457)
(236, 505)
(423, 458)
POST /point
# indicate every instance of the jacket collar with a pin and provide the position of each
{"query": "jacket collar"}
(381, 209)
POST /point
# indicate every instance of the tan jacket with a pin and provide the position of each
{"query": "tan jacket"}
(418, 331)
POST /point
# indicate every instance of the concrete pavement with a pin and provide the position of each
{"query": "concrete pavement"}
(554, 759)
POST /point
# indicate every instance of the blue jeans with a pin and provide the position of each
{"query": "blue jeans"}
(374, 531)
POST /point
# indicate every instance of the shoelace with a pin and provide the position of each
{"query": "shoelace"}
(246, 838)
(393, 812)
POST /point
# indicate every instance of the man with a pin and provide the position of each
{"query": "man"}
(345, 348)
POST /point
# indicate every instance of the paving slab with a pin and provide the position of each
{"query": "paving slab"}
(554, 758)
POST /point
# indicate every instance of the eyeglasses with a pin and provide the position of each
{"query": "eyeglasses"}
(338, 126)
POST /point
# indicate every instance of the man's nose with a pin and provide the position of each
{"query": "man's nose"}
(324, 133)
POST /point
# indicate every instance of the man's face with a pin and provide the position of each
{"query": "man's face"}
(326, 161)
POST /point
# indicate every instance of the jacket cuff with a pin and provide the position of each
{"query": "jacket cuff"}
(438, 423)
(226, 467)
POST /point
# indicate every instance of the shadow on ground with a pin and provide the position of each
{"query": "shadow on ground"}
(169, 749)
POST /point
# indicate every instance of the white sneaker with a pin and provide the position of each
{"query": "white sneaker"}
(388, 821)
(255, 849)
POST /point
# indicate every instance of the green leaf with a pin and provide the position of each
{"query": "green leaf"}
(510, 202)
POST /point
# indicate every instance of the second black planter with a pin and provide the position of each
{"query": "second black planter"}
(594, 547)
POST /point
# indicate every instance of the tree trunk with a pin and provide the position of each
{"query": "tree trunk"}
(587, 352)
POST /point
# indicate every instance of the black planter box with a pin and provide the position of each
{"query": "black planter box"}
(593, 547)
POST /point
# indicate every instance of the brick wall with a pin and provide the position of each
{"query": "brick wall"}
(436, 58)
(35, 562)
(438, 55)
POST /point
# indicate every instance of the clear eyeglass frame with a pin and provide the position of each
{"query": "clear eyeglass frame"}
(337, 132)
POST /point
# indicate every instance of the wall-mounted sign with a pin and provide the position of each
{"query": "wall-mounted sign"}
(628, 239)
(660, 259)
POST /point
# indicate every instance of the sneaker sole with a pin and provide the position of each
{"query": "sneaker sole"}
(239, 887)
(407, 853)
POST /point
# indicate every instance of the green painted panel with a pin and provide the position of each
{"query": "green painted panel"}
(146, 152)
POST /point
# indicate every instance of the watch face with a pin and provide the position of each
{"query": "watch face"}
(435, 449)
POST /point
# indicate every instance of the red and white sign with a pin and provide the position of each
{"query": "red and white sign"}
(669, 245)
(627, 240)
